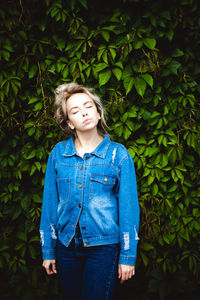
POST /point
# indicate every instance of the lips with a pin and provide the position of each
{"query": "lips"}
(87, 120)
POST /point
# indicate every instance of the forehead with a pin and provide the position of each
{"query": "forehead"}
(78, 99)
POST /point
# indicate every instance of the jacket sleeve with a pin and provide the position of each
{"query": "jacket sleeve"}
(128, 212)
(48, 230)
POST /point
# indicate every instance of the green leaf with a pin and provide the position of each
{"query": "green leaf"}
(128, 84)
(155, 114)
(101, 67)
(172, 68)
(6, 55)
(140, 85)
(105, 35)
(138, 44)
(127, 133)
(119, 128)
(150, 179)
(25, 203)
(155, 189)
(31, 155)
(147, 246)
(33, 100)
(33, 169)
(149, 43)
(119, 64)
(177, 52)
(38, 165)
(34, 239)
(31, 131)
(37, 198)
(100, 52)
(8, 47)
(22, 236)
(113, 52)
(117, 72)
(32, 71)
(105, 57)
(170, 34)
(148, 78)
(37, 106)
(104, 77)
(144, 258)
(32, 252)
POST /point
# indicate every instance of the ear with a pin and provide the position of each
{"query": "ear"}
(99, 116)
(71, 126)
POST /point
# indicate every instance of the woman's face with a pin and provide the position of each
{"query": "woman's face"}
(82, 113)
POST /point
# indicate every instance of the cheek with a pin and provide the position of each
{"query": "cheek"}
(75, 119)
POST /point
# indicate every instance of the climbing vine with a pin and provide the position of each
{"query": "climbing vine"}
(142, 57)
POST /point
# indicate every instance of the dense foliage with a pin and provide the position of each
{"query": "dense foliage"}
(143, 59)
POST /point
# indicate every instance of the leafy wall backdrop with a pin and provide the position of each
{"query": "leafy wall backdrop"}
(143, 59)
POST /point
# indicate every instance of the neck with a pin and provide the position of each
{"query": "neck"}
(86, 142)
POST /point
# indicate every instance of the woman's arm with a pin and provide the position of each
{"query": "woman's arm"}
(48, 223)
(128, 217)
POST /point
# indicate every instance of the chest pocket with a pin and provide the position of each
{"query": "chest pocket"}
(63, 185)
(101, 188)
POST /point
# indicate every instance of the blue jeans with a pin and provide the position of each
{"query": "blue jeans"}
(87, 273)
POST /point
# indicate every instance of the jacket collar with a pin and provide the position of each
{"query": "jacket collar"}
(99, 151)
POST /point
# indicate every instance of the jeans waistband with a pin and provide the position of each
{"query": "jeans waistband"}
(77, 241)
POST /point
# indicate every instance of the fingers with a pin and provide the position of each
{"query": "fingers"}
(125, 272)
(50, 266)
(54, 268)
(119, 271)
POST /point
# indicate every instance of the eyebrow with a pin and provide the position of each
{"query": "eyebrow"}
(74, 107)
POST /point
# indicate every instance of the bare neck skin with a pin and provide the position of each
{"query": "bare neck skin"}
(86, 142)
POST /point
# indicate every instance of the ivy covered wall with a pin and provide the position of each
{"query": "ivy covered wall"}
(143, 59)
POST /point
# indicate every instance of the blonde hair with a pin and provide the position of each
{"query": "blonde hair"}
(63, 92)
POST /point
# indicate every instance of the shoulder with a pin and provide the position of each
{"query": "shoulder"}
(119, 153)
(120, 148)
(60, 147)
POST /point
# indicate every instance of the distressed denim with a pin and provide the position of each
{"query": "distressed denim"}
(99, 191)
(87, 273)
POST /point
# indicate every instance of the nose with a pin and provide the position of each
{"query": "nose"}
(84, 112)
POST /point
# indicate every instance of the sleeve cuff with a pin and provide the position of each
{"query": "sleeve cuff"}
(127, 260)
(48, 254)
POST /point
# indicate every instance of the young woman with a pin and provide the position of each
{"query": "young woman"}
(90, 213)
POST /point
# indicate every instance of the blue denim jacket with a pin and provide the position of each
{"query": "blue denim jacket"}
(99, 191)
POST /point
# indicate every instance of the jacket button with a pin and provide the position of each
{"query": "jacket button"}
(105, 178)
(79, 205)
(87, 242)
(87, 157)
(81, 168)
(80, 185)
(83, 227)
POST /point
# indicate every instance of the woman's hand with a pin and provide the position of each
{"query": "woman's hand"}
(50, 266)
(125, 272)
